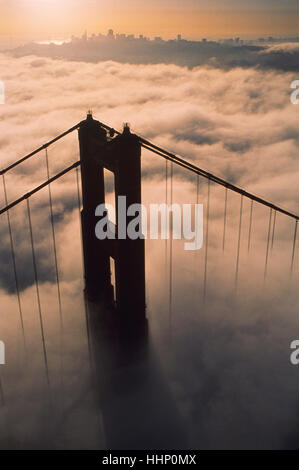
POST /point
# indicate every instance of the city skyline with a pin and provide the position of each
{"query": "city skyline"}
(111, 34)
(195, 18)
(92, 36)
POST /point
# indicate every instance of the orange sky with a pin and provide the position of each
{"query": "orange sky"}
(192, 18)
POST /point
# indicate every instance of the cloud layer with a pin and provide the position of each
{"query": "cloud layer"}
(231, 362)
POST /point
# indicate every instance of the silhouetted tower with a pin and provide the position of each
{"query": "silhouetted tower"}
(122, 156)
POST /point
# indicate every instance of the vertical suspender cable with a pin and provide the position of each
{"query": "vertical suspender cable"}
(207, 244)
(239, 242)
(13, 257)
(57, 282)
(197, 189)
(37, 293)
(166, 201)
(197, 193)
(85, 300)
(268, 244)
(197, 251)
(170, 251)
(294, 246)
(273, 230)
(250, 225)
(54, 245)
(224, 219)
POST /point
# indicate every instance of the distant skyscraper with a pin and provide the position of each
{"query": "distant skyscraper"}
(110, 34)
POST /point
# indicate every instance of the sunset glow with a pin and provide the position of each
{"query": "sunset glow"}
(200, 18)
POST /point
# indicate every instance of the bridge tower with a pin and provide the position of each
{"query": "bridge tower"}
(122, 156)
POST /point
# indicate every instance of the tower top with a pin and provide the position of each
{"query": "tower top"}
(126, 128)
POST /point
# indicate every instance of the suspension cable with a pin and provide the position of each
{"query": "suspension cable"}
(85, 299)
(170, 252)
(54, 243)
(197, 189)
(13, 258)
(38, 188)
(224, 219)
(61, 335)
(239, 242)
(167, 155)
(207, 245)
(273, 230)
(38, 293)
(196, 257)
(166, 201)
(268, 244)
(250, 225)
(294, 246)
(47, 144)
(189, 166)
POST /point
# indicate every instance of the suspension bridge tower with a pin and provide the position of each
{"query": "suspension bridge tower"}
(122, 156)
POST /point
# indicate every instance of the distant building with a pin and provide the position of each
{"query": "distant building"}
(228, 41)
(179, 38)
(110, 34)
